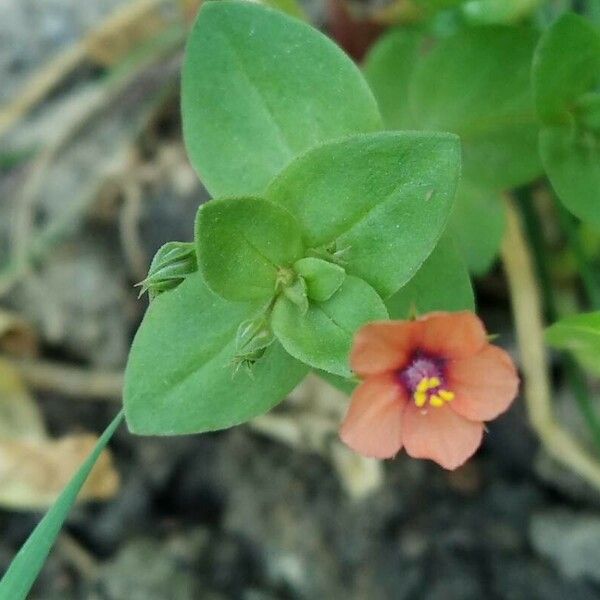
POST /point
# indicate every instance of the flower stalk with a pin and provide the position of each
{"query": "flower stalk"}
(527, 310)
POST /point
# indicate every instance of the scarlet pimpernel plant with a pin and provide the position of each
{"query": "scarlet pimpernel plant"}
(341, 236)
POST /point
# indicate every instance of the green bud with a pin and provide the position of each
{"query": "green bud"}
(170, 266)
(254, 334)
(252, 340)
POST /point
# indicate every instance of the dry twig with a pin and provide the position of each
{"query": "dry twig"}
(75, 382)
(99, 44)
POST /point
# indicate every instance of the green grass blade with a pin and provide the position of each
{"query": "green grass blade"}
(27, 564)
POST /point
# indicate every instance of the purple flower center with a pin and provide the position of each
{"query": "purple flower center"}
(425, 381)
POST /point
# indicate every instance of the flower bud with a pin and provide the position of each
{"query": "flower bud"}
(252, 340)
(170, 266)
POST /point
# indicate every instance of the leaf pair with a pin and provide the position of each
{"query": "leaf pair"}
(566, 79)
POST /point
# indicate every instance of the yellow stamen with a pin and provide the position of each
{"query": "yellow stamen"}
(436, 401)
(420, 398)
(423, 393)
(434, 382)
(446, 395)
(423, 385)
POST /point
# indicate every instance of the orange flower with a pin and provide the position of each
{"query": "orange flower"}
(429, 385)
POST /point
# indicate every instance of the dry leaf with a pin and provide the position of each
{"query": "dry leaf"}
(127, 28)
(35, 468)
(19, 415)
(17, 337)
(33, 473)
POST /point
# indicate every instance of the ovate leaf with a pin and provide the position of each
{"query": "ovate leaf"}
(566, 65)
(322, 337)
(258, 88)
(243, 244)
(477, 223)
(476, 84)
(571, 157)
(376, 203)
(388, 68)
(442, 283)
(579, 334)
(180, 373)
(566, 76)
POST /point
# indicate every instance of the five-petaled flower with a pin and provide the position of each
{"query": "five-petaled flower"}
(428, 386)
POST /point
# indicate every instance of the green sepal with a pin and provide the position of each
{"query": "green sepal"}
(322, 277)
(171, 264)
(252, 340)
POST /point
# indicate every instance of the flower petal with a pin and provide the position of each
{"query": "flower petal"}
(382, 346)
(451, 335)
(373, 424)
(440, 434)
(484, 385)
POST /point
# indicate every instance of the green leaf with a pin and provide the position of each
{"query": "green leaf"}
(179, 377)
(244, 245)
(489, 12)
(566, 102)
(290, 7)
(571, 156)
(476, 84)
(477, 224)
(579, 334)
(322, 278)
(566, 65)
(376, 203)
(343, 384)
(322, 338)
(260, 87)
(388, 68)
(442, 283)
(24, 569)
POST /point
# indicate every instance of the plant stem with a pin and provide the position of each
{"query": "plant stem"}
(572, 371)
(527, 310)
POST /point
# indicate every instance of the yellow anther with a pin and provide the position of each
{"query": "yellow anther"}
(436, 401)
(420, 398)
(446, 395)
(434, 382)
(423, 385)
